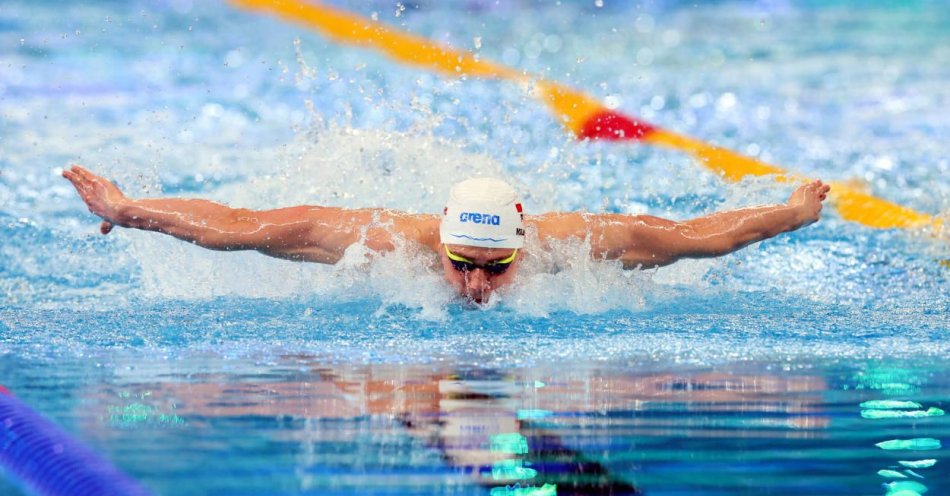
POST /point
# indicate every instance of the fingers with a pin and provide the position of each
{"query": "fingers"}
(819, 188)
(823, 190)
(82, 187)
(73, 170)
(80, 179)
(94, 192)
(77, 173)
(82, 171)
(70, 175)
(86, 183)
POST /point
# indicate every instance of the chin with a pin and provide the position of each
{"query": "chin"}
(477, 299)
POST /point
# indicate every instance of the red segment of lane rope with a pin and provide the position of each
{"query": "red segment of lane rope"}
(613, 126)
(583, 115)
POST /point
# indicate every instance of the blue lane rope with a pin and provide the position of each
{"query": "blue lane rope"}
(50, 462)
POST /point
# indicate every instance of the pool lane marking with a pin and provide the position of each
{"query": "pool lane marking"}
(891, 404)
(584, 116)
(915, 444)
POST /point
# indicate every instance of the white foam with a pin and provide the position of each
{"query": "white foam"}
(342, 167)
(567, 278)
(358, 168)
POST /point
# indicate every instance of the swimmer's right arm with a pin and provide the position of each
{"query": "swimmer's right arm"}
(305, 233)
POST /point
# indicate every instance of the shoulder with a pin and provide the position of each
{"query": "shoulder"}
(420, 228)
(562, 225)
(554, 227)
(611, 235)
(379, 224)
(557, 225)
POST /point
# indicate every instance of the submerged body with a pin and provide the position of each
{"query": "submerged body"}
(322, 234)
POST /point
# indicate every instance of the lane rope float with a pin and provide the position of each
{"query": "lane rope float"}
(50, 462)
(580, 113)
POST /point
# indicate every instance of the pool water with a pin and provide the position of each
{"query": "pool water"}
(814, 362)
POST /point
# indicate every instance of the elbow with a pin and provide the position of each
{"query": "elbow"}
(228, 238)
(215, 242)
(721, 246)
(722, 250)
(240, 229)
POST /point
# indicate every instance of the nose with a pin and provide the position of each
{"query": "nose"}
(477, 285)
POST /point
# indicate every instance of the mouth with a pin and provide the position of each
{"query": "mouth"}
(479, 298)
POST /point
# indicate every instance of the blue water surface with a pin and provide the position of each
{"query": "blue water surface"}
(199, 372)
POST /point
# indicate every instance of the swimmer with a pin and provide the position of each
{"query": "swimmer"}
(479, 238)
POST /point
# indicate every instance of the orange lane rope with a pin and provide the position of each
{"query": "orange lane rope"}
(583, 115)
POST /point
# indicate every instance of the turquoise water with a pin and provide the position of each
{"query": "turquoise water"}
(216, 373)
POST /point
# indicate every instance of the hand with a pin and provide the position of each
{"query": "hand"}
(101, 196)
(807, 198)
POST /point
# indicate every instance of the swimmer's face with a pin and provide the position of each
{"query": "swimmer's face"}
(478, 283)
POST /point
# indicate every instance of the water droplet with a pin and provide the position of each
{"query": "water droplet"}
(644, 24)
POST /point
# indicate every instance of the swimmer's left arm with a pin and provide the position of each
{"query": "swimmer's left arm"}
(645, 241)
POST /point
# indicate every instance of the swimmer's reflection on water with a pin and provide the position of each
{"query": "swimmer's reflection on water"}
(480, 237)
(474, 417)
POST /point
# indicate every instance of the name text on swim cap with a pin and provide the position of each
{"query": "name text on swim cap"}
(477, 218)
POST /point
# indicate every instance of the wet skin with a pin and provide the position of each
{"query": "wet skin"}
(477, 285)
(321, 234)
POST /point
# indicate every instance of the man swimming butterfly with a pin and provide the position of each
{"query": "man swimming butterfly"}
(480, 236)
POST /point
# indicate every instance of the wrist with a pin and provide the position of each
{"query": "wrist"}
(798, 214)
(125, 215)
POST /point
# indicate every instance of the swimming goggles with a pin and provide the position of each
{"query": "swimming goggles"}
(495, 267)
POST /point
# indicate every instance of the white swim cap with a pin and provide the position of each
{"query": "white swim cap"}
(483, 212)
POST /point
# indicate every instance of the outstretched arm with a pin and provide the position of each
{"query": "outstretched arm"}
(644, 241)
(315, 234)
